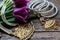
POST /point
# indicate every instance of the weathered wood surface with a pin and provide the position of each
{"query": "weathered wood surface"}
(39, 35)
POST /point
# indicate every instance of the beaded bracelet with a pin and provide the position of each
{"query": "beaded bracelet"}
(52, 15)
(48, 13)
(44, 11)
(33, 3)
(44, 7)
(41, 4)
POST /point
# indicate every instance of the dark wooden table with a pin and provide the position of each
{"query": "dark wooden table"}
(40, 34)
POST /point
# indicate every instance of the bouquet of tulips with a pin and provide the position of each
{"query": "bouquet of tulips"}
(12, 10)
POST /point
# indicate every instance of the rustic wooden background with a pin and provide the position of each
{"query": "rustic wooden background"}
(40, 34)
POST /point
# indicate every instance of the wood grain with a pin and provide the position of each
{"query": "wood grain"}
(40, 32)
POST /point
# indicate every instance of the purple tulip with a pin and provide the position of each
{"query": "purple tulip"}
(21, 11)
(20, 3)
(21, 14)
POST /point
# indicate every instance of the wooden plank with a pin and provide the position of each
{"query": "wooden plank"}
(46, 36)
(36, 36)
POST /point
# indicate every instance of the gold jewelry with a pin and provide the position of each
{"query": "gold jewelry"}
(24, 32)
(51, 24)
